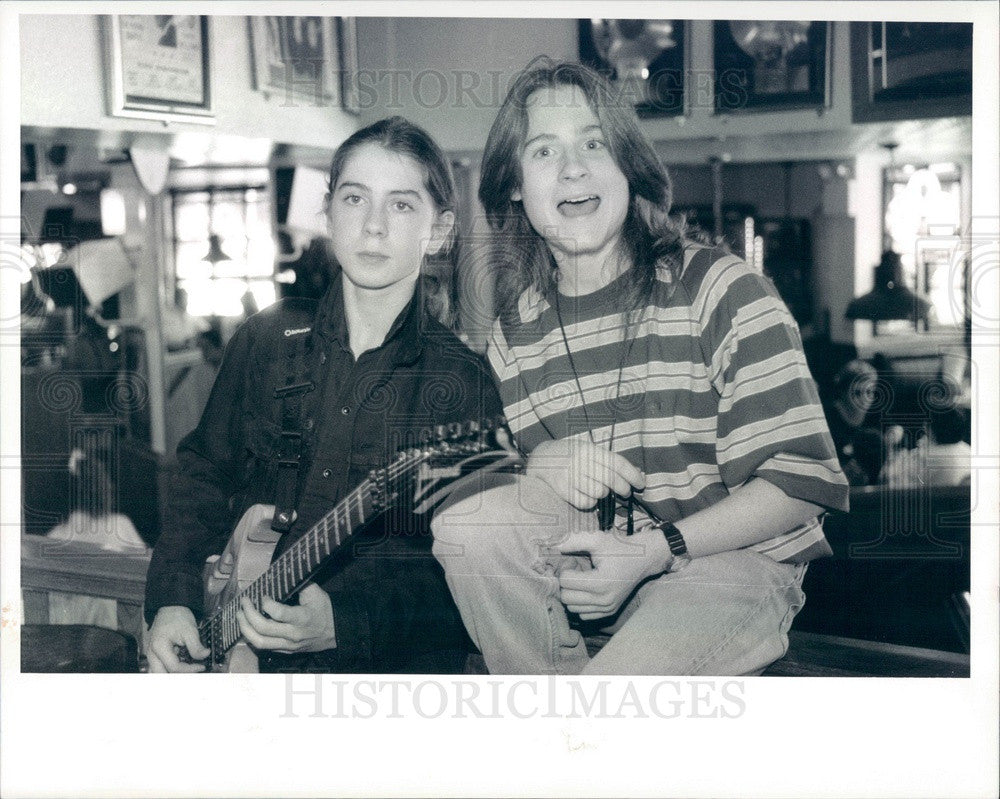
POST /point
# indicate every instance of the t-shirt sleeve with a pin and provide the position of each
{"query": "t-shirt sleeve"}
(770, 421)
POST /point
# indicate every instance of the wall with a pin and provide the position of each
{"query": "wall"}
(63, 86)
(759, 185)
(450, 75)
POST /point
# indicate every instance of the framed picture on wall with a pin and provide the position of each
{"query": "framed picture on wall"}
(645, 59)
(910, 70)
(296, 58)
(771, 65)
(159, 67)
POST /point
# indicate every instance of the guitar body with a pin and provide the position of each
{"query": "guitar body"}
(245, 558)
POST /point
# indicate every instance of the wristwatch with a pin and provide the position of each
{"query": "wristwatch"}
(678, 547)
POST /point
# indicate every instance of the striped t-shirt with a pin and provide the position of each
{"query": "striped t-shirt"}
(714, 390)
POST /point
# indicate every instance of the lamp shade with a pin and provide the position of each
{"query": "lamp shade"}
(890, 299)
(215, 252)
(101, 267)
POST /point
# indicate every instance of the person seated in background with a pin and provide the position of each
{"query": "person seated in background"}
(859, 446)
(942, 457)
(92, 520)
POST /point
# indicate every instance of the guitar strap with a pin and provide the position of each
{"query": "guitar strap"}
(297, 345)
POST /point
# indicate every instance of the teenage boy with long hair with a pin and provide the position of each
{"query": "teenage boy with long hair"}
(632, 361)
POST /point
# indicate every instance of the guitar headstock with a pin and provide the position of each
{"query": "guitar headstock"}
(465, 438)
(445, 457)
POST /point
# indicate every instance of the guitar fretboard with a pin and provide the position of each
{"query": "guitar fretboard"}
(299, 563)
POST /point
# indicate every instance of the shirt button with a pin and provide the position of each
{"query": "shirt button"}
(327, 473)
(345, 410)
(309, 424)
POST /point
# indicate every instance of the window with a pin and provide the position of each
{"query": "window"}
(923, 212)
(223, 250)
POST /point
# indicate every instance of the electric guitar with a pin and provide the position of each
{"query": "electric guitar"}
(448, 458)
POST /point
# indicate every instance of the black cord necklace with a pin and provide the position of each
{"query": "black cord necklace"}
(606, 505)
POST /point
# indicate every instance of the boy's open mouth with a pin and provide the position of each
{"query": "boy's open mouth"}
(579, 206)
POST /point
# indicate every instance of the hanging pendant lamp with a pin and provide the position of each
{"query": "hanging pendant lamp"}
(215, 252)
(890, 298)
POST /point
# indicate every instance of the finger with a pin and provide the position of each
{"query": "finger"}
(281, 639)
(590, 610)
(581, 596)
(593, 488)
(278, 611)
(581, 501)
(584, 581)
(312, 594)
(154, 664)
(196, 649)
(594, 615)
(253, 637)
(598, 466)
(269, 627)
(189, 668)
(612, 474)
(164, 650)
(580, 541)
(624, 470)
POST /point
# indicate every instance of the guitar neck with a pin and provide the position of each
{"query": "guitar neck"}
(287, 575)
(459, 450)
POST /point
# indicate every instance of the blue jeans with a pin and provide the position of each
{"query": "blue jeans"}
(724, 614)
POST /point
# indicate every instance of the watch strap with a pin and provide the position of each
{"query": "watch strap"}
(676, 542)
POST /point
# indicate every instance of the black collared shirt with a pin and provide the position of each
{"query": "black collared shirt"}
(359, 413)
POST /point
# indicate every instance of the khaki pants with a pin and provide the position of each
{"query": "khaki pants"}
(725, 614)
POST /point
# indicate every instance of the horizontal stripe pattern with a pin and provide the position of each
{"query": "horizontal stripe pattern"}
(714, 390)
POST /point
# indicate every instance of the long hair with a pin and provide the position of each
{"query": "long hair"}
(650, 239)
(399, 135)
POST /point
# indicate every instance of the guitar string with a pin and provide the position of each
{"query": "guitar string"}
(354, 501)
(225, 617)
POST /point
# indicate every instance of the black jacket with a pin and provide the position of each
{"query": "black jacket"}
(392, 610)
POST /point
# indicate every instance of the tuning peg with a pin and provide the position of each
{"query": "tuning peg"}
(454, 431)
(440, 432)
(472, 429)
